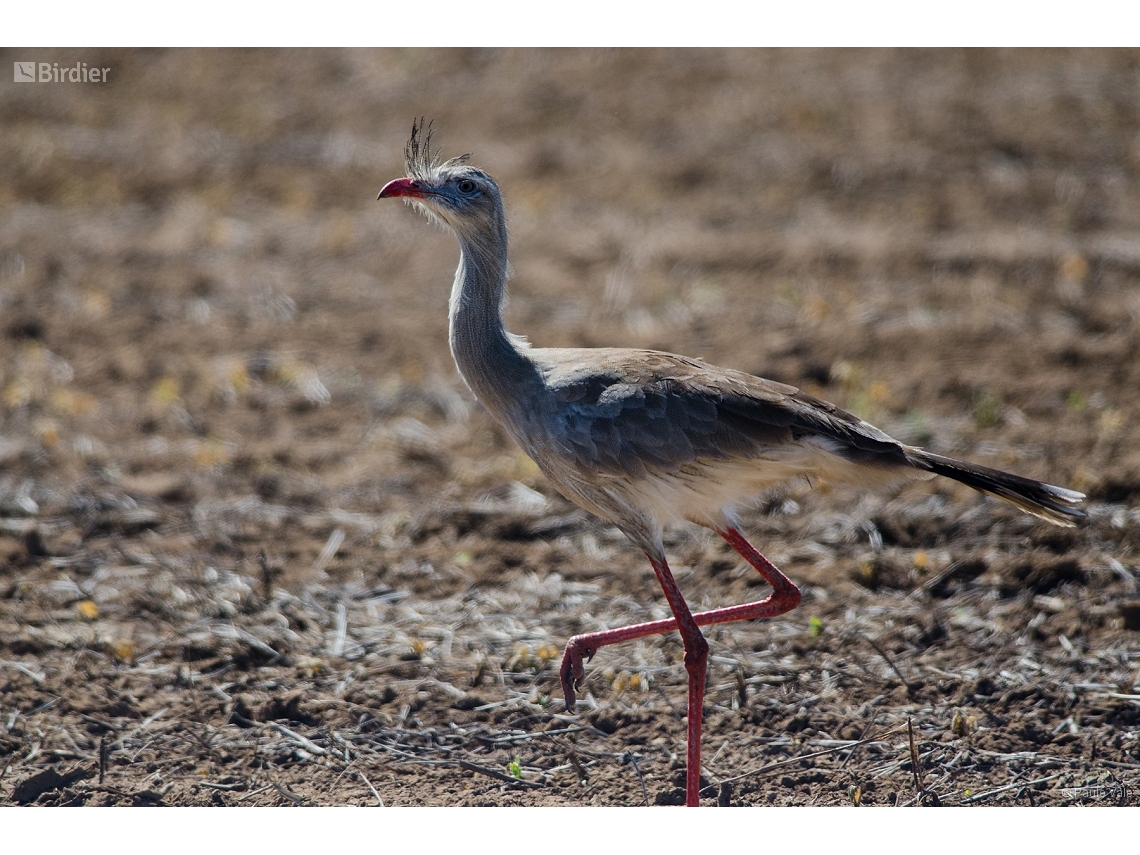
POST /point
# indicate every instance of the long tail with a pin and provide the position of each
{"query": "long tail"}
(1055, 504)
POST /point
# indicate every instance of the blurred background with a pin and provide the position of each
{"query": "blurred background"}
(202, 229)
(226, 397)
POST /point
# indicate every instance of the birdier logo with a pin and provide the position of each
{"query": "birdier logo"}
(51, 72)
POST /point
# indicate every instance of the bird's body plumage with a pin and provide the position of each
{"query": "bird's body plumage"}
(644, 438)
(651, 438)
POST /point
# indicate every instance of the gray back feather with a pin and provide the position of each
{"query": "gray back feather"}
(659, 410)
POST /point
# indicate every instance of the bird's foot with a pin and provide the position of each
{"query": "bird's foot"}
(572, 670)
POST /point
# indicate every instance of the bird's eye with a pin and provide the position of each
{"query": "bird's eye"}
(466, 185)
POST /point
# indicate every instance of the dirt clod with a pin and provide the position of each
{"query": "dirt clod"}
(49, 780)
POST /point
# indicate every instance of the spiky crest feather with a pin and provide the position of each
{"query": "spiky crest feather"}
(421, 163)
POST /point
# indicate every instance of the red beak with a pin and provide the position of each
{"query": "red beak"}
(402, 187)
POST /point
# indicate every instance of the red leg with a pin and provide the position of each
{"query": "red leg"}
(785, 596)
(696, 663)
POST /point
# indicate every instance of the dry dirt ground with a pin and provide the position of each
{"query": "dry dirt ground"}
(259, 545)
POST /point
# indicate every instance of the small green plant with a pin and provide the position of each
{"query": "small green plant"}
(515, 767)
(815, 627)
(987, 409)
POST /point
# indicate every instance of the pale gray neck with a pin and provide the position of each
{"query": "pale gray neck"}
(492, 362)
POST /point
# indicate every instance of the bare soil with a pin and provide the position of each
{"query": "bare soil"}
(259, 545)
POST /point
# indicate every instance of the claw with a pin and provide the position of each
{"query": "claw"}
(572, 670)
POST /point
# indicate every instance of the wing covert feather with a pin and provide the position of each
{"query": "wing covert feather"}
(662, 411)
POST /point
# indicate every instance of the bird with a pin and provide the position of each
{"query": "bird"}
(645, 439)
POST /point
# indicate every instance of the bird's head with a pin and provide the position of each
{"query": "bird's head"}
(452, 192)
